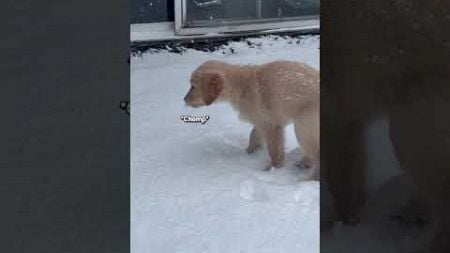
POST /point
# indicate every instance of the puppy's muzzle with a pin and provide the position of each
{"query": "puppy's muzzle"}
(186, 100)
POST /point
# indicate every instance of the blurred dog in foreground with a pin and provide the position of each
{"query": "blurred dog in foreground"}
(403, 75)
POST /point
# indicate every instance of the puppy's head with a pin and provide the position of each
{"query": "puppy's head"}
(206, 86)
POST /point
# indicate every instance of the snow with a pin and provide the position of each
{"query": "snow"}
(195, 190)
(193, 187)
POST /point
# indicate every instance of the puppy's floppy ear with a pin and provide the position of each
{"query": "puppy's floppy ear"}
(212, 85)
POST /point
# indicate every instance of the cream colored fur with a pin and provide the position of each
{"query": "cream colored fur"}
(269, 96)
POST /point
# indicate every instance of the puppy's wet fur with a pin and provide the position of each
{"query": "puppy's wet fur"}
(269, 96)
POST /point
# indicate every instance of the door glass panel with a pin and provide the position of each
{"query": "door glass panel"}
(213, 12)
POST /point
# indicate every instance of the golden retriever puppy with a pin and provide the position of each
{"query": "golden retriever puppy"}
(270, 96)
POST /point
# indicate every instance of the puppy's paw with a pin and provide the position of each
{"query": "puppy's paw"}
(253, 149)
(268, 167)
(305, 163)
(313, 174)
(278, 165)
(272, 166)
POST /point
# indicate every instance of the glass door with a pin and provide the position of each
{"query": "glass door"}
(206, 16)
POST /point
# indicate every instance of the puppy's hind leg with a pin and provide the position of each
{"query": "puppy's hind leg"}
(307, 130)
(255, 141)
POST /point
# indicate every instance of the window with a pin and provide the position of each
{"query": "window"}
(205, 16)
(168, 19)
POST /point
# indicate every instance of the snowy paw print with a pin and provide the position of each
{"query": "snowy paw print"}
(251, 191)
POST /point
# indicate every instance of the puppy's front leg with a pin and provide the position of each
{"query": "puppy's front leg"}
(275, 144)
(255, 141)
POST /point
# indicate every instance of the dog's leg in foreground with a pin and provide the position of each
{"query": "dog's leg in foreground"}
(343, 168)
(426, 157)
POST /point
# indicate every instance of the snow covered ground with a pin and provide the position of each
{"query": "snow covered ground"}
(195, 190)
(193, 187)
